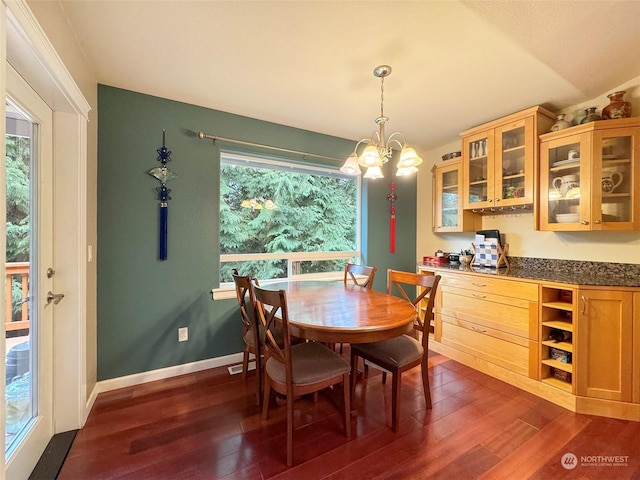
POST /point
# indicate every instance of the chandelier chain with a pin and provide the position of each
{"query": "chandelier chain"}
(382, 98)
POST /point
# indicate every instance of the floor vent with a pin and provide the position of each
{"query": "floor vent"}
(235, 369)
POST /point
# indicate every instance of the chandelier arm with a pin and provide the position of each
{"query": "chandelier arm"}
(355, 150)
(390, 141)
(404, 140)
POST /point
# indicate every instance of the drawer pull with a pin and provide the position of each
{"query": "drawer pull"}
(479, 330)
(479, 284)
(479, 296)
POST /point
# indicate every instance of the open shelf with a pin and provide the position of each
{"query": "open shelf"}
(557, 383)
(559, 324)
(565, 367)
(557, 310)
(566, 346)
(559, 305)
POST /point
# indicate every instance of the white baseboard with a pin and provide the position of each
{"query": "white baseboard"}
(160, 374)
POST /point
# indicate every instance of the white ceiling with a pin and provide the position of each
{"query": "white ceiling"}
(309, 64)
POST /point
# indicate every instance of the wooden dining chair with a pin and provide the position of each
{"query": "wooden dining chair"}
(360, 275)
(351, 270)
(404, 352)
(299, 369)
(251, 331)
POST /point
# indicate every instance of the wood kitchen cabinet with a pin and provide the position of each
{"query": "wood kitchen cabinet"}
(448, 215)
(574, 345)
(589, 177)
(493, 319)
(604, 349)
(500, 161)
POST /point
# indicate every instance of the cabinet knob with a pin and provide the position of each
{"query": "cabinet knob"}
(596, 222)
(497, 199)
(584, 222)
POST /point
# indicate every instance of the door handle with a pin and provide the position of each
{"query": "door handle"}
(54, 297)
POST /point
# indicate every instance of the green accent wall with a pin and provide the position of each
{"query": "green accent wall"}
(142, 301)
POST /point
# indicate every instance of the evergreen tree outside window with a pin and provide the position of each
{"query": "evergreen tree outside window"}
(281, 220)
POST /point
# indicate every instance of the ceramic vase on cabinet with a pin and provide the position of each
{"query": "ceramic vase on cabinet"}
(618, 107)
(592, 115)
(560, 124)
(580, 115)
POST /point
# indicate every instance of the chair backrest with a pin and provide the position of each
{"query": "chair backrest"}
(351, 270)
(244, 294)
(272, 313)
(428, 282)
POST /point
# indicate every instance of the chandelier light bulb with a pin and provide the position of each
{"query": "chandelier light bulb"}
(374, 172)
(409, 158)
(403, 172)
(370, 156)
(351, 166)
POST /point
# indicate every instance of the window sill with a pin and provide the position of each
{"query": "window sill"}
(228, 290)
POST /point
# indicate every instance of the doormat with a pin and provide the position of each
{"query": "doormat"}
(53, 456)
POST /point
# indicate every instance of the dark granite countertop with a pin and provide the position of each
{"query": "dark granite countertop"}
(560, 271)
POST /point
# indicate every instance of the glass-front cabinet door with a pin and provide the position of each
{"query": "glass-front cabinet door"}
(477, 154)
(514, 163)
(448, 215)
(589, 177)
(448, 204)
(565, 185)
(616, 179)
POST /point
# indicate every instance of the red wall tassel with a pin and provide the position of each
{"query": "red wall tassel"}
(392, 225)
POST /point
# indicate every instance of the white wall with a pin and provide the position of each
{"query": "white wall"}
(524, 241)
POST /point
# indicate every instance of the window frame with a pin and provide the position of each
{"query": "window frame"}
(227, 289)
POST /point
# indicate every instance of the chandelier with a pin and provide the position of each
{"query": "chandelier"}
(378, 150)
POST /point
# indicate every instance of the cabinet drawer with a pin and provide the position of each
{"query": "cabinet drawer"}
(512, 356)
(497, 286)
(514, 316)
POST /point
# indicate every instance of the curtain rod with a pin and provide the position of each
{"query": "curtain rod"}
(203, 135)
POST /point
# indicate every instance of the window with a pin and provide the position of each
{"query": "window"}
(281, 220)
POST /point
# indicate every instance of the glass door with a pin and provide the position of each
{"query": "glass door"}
(478, 170)
(565, 184)
(448, 202)
(615, 173)
(514, 163)
(29, 246)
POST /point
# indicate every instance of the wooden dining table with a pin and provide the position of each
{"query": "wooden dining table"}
(333, 312)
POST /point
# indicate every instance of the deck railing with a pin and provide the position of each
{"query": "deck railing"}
(21, 270)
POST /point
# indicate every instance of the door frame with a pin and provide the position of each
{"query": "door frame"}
(30, 52)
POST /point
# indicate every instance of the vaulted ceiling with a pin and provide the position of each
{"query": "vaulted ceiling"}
(309, 64)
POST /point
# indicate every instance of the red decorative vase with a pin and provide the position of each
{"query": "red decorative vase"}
(617, 108)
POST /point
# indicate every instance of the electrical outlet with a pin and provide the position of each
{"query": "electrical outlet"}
(183, 334)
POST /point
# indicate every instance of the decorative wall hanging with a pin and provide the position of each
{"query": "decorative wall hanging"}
(392, 197)
(163, 175)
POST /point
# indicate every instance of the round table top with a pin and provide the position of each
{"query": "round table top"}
(336, 313)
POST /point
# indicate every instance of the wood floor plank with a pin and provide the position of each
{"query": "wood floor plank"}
(206, 426)
(546, 445)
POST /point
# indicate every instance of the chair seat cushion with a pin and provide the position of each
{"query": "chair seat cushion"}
(399, 351)
(312, 363)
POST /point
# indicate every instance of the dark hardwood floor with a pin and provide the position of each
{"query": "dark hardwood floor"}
(206, 425)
